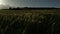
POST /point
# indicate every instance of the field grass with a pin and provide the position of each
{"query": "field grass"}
(30, 21)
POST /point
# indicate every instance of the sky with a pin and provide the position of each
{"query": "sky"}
(31, 3)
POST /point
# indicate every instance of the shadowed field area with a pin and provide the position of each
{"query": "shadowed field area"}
(30, 21)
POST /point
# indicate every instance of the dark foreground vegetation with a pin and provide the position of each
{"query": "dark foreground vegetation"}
(29, 22)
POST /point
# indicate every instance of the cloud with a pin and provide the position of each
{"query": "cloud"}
(3, 6)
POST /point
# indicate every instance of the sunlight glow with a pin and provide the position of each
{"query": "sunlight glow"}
(1, 2)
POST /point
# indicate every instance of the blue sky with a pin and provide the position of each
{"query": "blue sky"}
(33, 3)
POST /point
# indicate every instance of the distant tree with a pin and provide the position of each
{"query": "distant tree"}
(18, 8)
(10, 8)
(13, 8)
(25, 7)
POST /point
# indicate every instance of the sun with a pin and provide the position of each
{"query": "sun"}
(1, 2)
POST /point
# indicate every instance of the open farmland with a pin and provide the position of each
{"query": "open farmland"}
(30, 21)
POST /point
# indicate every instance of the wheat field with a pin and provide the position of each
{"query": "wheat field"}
(29, 21)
